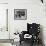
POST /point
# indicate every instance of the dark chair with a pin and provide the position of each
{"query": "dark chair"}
(32, 29)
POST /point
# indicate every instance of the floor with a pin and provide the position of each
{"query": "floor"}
(5, 44)
(26, 44)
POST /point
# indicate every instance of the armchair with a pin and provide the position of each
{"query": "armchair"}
(33, 30)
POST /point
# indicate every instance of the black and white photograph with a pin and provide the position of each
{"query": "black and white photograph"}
(20, 14)
(22, 22)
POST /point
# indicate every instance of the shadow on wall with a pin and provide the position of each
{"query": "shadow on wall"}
(41, 34)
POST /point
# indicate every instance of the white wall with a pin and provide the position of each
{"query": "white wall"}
(3, 1)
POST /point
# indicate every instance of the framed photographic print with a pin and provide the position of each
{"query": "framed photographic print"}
(20, 14)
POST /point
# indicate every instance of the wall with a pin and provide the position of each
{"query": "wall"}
(3, 1)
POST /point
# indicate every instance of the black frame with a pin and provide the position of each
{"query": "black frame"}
(20, 10)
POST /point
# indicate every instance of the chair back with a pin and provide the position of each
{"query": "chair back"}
(33, 28)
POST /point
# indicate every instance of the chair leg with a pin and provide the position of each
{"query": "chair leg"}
(20, 42)
(32, 42)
